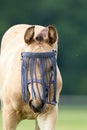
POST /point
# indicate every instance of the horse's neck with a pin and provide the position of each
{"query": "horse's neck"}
(13, 36)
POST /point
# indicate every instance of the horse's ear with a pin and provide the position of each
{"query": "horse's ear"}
(52, 34)
(29, 35)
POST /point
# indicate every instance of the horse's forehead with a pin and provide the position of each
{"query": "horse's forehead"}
(38, 29)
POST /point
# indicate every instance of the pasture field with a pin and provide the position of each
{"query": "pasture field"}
(70, 118)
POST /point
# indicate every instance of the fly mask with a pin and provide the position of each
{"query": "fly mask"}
(48, 76)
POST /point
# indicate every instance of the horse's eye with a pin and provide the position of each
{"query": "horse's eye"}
(51, 68)
(51, 73)
(46, 92)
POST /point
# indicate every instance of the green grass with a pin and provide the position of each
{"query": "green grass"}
(70, 118)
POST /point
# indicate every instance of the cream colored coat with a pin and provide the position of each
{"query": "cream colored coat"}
(13, 109)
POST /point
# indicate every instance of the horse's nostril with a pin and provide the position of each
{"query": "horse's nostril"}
(43, 104)
(30, 103)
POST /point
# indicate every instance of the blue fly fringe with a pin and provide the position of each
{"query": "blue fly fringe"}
(30, 61)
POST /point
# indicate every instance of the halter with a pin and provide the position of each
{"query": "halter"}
(28, 67)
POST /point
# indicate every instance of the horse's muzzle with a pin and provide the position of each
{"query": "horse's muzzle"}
(36, 105)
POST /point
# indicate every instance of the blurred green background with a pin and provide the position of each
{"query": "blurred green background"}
(70, 19)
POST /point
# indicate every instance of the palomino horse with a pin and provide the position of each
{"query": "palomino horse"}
(29, 93)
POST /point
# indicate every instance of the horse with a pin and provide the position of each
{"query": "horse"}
(18, 43)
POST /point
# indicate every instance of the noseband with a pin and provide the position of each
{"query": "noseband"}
(28, 67)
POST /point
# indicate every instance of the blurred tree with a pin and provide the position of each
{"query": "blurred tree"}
(69, 16)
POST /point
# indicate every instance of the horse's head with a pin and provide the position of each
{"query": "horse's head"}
(39, 67)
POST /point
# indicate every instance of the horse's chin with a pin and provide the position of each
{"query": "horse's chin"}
(37, 106)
